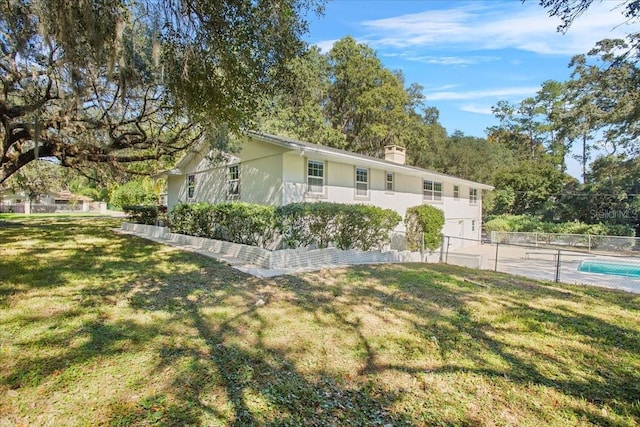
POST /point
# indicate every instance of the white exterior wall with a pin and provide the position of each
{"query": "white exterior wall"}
(340, 188)
(260, 177)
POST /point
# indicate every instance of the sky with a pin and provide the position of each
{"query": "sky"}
(468, 55)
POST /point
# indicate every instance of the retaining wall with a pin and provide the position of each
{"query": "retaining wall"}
(280, 259)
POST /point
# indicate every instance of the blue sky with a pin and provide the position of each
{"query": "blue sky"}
(468, 55)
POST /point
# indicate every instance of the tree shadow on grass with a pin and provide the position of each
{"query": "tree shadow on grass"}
(227, 369)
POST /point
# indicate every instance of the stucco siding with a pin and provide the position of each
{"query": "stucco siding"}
(261, 180)
(175, 190)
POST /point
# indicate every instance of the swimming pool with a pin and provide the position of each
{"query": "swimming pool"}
(610, 267)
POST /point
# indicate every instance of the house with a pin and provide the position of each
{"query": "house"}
(278, 171)
(63, 201)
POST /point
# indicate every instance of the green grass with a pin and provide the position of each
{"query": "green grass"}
(98, 328)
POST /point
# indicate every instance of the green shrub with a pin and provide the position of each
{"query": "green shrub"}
(525, 223)
(143, 214)
(426, 221)
(348, 226)
(245, 223)
(237, 222)
(364, 227)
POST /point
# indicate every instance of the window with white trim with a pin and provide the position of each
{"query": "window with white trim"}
(362, 182)
(431, 190)
(233, 182)
(191, 186)
(473, 196)
(456, 192)
(390, 186)
(315, 177)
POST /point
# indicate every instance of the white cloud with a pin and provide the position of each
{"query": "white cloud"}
(447, 60)
(478, 94)
(492, 25)
(477, 109)
(325, 45)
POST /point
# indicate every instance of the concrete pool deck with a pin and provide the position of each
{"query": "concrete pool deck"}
(540, 263)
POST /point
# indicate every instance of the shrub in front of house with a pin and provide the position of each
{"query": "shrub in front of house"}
(308, 224)
(424, 227)
(347, 226)
(144, 214)
(299, 225)
(237, 222)
(365, 227)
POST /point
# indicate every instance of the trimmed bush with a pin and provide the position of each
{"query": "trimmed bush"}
(300, 224)
(365, 227)
(426, 221)
(143, 214)
(348, 226)
(245, 223)
(308, 224)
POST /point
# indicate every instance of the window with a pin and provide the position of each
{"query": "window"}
(473, 225)
(432, 190)
(473, 196)
(362, 182)
(390, 186)
(456, 192)
(233, 182)
(191, 186)
(315, 177)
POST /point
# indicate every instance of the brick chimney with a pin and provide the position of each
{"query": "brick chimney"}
(395, 154)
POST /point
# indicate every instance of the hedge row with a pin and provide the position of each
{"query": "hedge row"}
(525, 223)
(299, 224)
(144, 214)
(238, 222)
(346, 226)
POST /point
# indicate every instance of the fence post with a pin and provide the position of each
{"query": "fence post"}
(495, 267)
(446, 258)
(557, 278)
(589, 244)
(442, 248)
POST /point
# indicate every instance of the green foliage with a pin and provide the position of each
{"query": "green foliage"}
(365, 227)
(300, 224)
(348, 226)
(426, 221)
(526, 223)
(533, 183)
(143, 214)
(238, 222)
(307, 224)
(134, 193)
(153, 76)
(37, 179)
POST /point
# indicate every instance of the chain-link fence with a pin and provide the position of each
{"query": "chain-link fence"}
(577, 259)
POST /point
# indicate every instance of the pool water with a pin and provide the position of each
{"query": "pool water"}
(611, 268)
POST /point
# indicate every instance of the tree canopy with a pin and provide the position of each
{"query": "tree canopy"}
(123, 82)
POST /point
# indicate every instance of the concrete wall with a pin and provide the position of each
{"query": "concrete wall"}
(273, 260)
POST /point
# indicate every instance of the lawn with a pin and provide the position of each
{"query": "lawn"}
(98, 328)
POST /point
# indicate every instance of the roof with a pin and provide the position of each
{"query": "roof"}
(328, 153)
(68, 195)
(361, 159)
